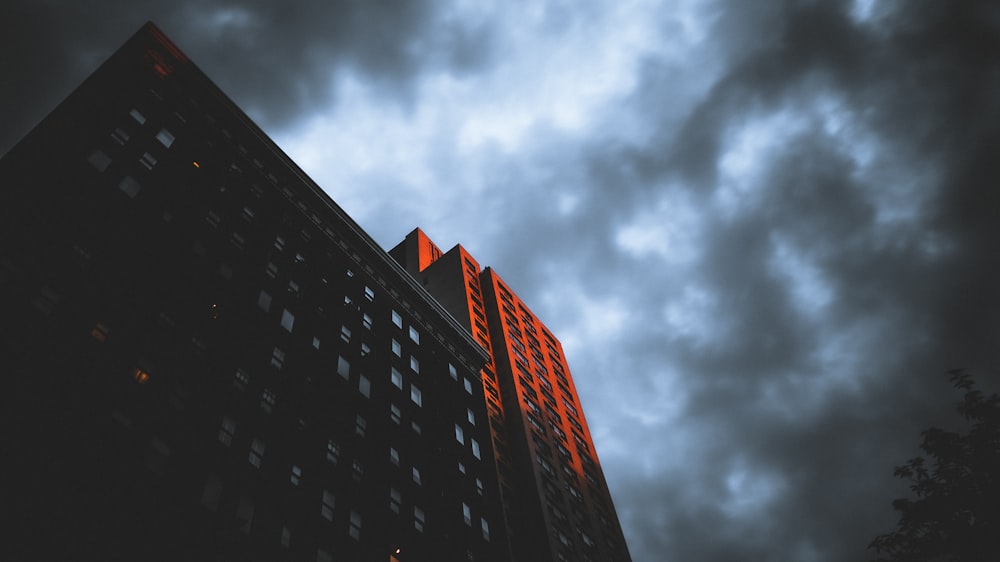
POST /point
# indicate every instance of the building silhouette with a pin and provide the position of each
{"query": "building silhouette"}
(207, 359)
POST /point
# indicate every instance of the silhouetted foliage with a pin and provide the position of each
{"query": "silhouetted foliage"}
(956, 513)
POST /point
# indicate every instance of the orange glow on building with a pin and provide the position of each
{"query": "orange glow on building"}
(542, 445)
(140, 376)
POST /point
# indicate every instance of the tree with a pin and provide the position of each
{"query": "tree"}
(956, 513)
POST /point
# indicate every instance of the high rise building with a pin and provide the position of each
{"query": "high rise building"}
(557, 506)
(207, 359)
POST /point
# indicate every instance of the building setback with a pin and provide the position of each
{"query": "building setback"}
(557, 506)
(207, 359)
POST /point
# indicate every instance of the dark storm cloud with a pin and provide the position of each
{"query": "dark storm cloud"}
(279, 60)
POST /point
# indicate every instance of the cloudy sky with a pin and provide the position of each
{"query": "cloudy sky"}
(761, 229)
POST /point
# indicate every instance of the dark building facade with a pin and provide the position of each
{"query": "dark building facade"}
(207, 359)
(557, 506)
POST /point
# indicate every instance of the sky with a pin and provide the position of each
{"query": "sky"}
(762, 230)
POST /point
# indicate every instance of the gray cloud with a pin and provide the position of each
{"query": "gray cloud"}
(764, 254)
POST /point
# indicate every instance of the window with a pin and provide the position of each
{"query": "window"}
(256, 452)
(99, 160)
(416, 476)
(395, 414)
(395, 500)
(467, 514)
(271, 270)
(296, 476)
(414, 364)
(414, 335)
(452, 371)
(468, 387)
(120, 136)
(471, 416)
(345, 334)
(343, 367)
(396, 377)
(244, 514)
(416, 396)
(459, 434)
(139, 117)
(277, 358)
(397, 320)
(364, 386)
(165, 137)
(148, 160)
(369, 293)
(354, 528)
(480, 488)
(359, 425)
(279, 243)
(397, 349)
(418, 519)
(394, 456)
(366, 321)
(486, 528)
(326, 509)
(287, 320)
(332, 451)
(315, 343)
(286, 537)
(129, 186)
(475, 448)
(264, 301)
(267, 400)
(227, 431)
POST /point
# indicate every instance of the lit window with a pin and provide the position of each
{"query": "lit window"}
(264, 301)
(468, 386)
(467, 514)
(165, 137)
(326, 510)
(287, 320)
(366, 321)
(397, 378)
(475, 448)
(394, 456)
(148, 160)
(99, 160)
(343, 367)
(461, 467)
(415, 427)
(256, 452)
(486, 528)
(129, 186)
(227, 431)
(459, 434)
(397, 349)
(296, 475)
(369, 293)
(397, 319)
(414, 335)
(354, 530)
(470, 415)
(415, 395)
(139, 117)
(364, 386)
(414, 364)
(293, 288)
(452, 371)
(345, 334)
(140, 376)
(100, 332)
(316, 343)
(416, 476)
